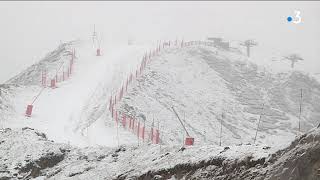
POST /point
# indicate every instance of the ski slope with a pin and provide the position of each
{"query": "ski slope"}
(203, 83)
(211, 88)
(62, 112)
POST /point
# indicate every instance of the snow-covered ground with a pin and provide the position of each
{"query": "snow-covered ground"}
(203, 83)
(63, 113)
(31, 153)
(211, 89)
(27, 153)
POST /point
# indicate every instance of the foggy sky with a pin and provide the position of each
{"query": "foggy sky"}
(29, 30)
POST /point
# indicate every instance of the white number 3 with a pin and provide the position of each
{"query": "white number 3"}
(297, 18)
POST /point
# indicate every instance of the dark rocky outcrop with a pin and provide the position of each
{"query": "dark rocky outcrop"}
(299, 161)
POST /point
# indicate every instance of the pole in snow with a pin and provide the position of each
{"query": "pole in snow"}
(300, 110)
(98, 52)
(222, 117)
(138, 132)
(180, 121)
(143, 129)
(159, 137)
(261, 114)
(158, 134)
(152, 129)
(189, 140)
(117, 130)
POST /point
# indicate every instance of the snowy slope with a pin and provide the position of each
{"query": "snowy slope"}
(53, 60)
(65, 112)
(201, 82)
(28, 153)
(204, 82)
(34, 155)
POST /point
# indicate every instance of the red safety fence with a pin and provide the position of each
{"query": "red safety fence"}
(136, 127)
(44, 78)
(130, 123)
(52, 81)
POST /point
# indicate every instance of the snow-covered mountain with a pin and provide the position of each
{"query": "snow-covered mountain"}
(218, 94)
(62, 113)
(203, 83)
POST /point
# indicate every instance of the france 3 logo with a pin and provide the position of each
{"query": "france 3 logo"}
(296, 18)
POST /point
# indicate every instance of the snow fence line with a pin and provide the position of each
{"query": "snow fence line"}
(130, 123)
(63, 72)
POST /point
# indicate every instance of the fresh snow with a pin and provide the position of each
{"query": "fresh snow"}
(201, 82)
(29, 146)
(61, 113)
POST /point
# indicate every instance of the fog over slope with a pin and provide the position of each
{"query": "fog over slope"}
(203, 83)
(31, 29)
(251, 117)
